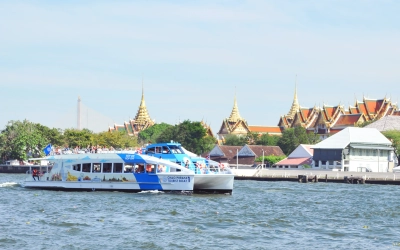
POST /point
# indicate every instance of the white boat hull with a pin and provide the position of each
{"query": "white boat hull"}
(213, 183)
(165, 183)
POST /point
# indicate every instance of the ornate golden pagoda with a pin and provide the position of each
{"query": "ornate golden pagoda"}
(142, 116)
(295, 105)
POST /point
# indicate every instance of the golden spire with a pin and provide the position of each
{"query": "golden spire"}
(235, 116)
(295, 105)
(142, 116)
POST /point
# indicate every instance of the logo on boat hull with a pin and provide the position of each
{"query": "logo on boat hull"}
(173, 179)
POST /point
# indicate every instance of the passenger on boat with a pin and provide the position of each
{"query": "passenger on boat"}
(187, 164)
(35, 174)
(149, 169)
(139, 169)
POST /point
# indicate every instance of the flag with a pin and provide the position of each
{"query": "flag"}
(47, 149)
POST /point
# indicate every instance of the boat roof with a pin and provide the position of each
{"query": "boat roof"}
(107, 157)
(163, 144)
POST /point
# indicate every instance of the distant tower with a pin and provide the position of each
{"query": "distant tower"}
(295, 105)
(142, 118)
(79, 114)
(235, 116)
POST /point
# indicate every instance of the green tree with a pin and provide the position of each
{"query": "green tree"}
(394, 137)
(270, 159)
(192, 136)
(288, 141)
(21, 140)
(251, 138)
(151, 134)
(117, 139)
(268, 140)
(81, 138)
(235, 140)
(293, 137)
(51, 135)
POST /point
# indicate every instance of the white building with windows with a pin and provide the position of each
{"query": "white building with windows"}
(355, 149)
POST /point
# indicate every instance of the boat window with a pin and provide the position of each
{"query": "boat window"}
(117, 168)
(96, 168)
(165, 150)
(158, 150)
(176, 149)
(150, 169)
(76, 167)
(107, 167)
(128, 168)
(150, 150)
(86, 167)
(139, 169)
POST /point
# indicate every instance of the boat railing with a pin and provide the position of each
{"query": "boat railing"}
(69, 152)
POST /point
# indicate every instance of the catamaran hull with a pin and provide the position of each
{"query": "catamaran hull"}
(209, 183)
(107, 186)
(166, 183)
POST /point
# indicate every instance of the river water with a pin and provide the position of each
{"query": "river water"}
(259, 215)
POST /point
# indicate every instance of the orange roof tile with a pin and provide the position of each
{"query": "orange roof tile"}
(347, 120)
(362, 108)
(305, 113)
(265, 129)
(373, 106)
(354, 110)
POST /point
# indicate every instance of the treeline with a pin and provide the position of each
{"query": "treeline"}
(288, 141)
(22, 140)
(192, 135)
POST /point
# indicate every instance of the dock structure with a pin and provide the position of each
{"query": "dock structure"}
(315, 176)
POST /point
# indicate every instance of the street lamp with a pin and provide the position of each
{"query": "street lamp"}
(262, 166)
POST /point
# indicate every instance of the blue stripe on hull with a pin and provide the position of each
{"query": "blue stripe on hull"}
(148, 181)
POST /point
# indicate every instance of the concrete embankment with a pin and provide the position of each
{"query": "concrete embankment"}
(317, 176)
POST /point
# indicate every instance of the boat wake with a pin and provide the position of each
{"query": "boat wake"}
(151, 192)
(9, 184)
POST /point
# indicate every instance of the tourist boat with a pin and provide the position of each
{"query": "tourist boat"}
(210, 176)
(128, 172)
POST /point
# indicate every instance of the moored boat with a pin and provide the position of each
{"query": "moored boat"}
(128, 172)
(210, 176)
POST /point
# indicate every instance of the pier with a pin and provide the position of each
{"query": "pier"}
(314, 176)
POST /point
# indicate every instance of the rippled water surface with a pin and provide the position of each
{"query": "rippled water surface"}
(259, 215)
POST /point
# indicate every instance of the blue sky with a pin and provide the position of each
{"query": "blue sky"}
(192, 55)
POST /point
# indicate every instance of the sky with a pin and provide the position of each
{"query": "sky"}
(192, 57)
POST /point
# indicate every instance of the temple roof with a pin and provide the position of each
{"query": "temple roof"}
(266, 129)
(347, 120)
(295, 105)
(142, 116)
(235, 116)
